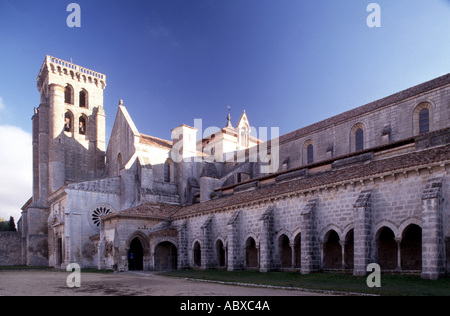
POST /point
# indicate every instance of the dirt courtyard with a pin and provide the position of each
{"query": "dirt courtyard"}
(53, 283)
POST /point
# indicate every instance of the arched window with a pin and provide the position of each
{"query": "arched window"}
(68, 122)
(82, 125)
(310, 154)
(424, 121)
(83, 100)
(422, 118)
(244, 139)
(359, 139)
(167, 172)
(68, 94)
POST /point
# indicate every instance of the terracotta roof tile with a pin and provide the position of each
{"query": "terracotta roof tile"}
(168, 232)
(147, 210)
(349, 173)
(155, 141)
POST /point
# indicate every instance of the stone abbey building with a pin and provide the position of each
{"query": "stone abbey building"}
(370, 185)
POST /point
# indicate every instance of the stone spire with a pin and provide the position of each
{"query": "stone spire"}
(229, 118)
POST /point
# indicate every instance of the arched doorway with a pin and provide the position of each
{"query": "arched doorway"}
(349, 250)
(411, 248)
(197, 254)
(332, 251)
(136, 255)
(166, 256)
(285, 251)
(220, 252)
(387, 249)
(251, 253)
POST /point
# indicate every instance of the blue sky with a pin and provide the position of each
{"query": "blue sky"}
(288, 63)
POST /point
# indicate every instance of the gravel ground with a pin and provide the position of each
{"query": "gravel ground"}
(54, 283)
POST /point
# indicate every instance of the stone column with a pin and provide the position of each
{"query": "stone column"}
(399, 254)
(208, 247)
(183, 258)
(310, 251)
(342, 243)
(362, 233)
(266, 241)
(433, 242)
(292, 245)
(235, 256)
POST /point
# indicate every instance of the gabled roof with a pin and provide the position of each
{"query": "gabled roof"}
(328, 178)
(155, 141)
(243, 119)
(156, 211)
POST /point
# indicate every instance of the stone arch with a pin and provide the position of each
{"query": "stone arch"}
(358, 137)
(418, 122)
(251, 252)
(89, 253)
(83, 125)
(221, 253)
(196, 253)
(332, 250)
(308, 152)
(388, 224)
(411, 248)
(68, 122)
(326, 230)
(285, 251)
(135, 253)
(386, 247)
(169, 172)
(142, 237)
(138, 245)
(83, 99)
(68, 94)
(406, 223)
(165, 254)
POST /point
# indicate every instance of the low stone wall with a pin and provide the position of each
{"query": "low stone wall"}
(10, 249)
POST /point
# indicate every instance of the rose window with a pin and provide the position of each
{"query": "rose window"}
(97, 213)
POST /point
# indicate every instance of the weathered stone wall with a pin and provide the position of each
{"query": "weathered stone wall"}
(10, 249)
(355, 211)
(395, 121)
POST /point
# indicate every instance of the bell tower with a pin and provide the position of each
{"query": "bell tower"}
(68, 144)
(68, 127)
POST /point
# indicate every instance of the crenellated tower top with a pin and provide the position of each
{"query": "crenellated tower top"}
(69, 70)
